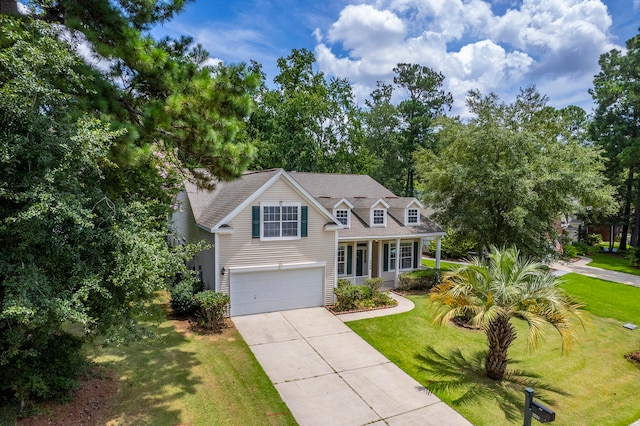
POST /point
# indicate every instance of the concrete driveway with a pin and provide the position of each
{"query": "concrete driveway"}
(328, 375)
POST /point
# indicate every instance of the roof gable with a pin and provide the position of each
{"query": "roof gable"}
(214, 209)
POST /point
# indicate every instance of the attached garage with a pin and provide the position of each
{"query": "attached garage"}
(255, 292)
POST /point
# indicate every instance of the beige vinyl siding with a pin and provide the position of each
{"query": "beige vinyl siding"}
(239, 249)
(184, 224)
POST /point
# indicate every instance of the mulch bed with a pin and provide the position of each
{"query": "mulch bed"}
(89, 404)
(634, 357)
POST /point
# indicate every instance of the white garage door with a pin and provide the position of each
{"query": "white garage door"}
(269, 291)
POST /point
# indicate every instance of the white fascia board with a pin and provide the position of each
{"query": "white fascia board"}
(281, 173)
(221, 230)
(343, 200)
(310, 199)
(416, 201)
(380, 200)
(248, 200)
(333, 227)
(392, 237)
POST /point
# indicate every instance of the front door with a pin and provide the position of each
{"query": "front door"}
(361, 261)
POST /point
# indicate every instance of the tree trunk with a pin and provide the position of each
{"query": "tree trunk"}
(500, 334)
(635, 234)
(626, 218)
(9, 7)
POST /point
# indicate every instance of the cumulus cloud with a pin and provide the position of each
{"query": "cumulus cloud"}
(550, 43)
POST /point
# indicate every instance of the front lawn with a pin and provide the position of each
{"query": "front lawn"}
(181, 378)
(444, 266)
(594, 384)
(605, 298)
(613, 262)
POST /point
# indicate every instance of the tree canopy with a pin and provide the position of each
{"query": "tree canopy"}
(395, 132)
(505, 176)
(308, 122)
(616, 128)
(91, 158)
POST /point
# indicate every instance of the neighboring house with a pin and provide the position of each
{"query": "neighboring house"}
(281, 240)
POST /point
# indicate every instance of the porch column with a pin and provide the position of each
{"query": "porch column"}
(369, 258)
(438, 246)
(395, 281)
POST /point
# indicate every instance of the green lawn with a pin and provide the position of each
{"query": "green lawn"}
(613, 262)
(178, 379)
(444, 266)
(604, 298)
(174, 377)
(594, 384)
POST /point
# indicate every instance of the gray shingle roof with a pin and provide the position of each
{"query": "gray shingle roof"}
(341, 185)
(211, 207)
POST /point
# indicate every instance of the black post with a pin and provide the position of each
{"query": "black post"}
(528, 399)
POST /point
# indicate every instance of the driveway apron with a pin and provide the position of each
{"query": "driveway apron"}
(328, 375)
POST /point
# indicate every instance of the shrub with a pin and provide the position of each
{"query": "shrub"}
(348, 296)
(594, 239)
(634, 256)
(569, 251)
(182, 297)
(421, 280)
(374, 284)
(351, 297)
(453, 246)
(211, 308)
(583, 248)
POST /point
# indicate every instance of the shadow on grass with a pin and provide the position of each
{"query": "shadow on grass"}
(153, 374)
(465, 377)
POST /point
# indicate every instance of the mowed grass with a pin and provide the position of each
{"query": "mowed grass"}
(593, 385)
(180, 378)
(444, 266)
(605, 298)
(613, 262)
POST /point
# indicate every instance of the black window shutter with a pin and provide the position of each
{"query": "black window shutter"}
(385, 265)
(416, 255)
(303, 222)
(349, 259)
(255, 222)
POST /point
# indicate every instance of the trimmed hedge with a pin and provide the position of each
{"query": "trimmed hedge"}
(211, 308)
(421, 280)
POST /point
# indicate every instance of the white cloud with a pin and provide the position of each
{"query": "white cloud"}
(363, 28)
(551, 43)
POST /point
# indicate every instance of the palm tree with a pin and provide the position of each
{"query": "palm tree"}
(493, 291)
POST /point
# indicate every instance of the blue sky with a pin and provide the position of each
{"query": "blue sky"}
(494, 46)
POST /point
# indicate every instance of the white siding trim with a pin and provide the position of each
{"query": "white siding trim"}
(277, 267)
(216, 262)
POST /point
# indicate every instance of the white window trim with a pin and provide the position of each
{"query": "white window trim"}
(281, 204)
(400, 257)
(406, 217)
(393, 257)
(335, 213)
(384, 218)
(344, 261)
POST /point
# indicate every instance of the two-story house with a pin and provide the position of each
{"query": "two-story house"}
(282, 239)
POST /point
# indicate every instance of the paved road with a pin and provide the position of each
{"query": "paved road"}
(328, 375)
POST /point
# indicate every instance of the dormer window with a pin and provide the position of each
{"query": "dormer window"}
(378, 217)
(343, 216)
(412, 216)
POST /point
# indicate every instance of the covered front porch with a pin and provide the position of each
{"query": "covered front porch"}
(360, 259)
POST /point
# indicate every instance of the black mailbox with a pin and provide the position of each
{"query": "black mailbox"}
(542, 413)
(535, 410)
